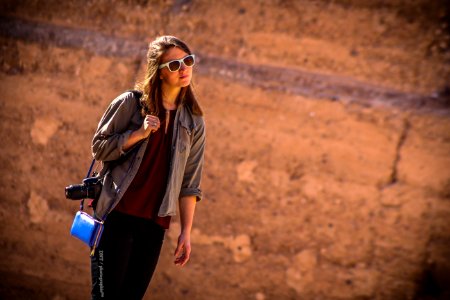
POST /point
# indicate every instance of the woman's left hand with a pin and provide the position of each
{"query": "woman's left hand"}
(183, 251)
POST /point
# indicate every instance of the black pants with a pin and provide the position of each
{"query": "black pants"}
(126, 257)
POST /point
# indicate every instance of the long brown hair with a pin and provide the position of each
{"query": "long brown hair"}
(151, 85)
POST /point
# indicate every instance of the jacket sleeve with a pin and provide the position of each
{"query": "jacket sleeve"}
(194, 165)
(112, 131)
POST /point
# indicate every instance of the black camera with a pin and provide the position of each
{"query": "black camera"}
(89, 189)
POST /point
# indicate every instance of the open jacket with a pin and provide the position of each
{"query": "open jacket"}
(122, 117)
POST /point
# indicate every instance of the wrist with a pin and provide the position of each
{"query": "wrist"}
(141, 134)
(186, 232)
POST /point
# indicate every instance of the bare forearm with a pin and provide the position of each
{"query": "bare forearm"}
(134, 137)
(187, 209)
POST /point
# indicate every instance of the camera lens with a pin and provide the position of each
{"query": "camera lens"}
(76, 192)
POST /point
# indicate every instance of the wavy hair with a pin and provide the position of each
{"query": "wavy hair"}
(150, 87)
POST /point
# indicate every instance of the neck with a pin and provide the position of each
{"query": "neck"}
(169, 97)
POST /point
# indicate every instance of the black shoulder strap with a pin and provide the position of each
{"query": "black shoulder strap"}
(136, 94)
(89, 174)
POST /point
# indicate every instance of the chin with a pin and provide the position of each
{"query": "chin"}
(185, 84)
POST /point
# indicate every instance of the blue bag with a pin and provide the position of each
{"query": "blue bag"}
(87, 229)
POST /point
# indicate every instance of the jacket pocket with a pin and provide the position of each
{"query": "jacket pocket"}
(185, 138)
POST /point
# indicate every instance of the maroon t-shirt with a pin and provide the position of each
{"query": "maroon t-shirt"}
(146, 192)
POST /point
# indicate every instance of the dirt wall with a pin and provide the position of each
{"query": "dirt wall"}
(305, 197)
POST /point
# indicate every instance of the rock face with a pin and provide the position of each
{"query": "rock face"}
(307, 195)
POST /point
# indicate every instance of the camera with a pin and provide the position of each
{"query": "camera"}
(89, 189)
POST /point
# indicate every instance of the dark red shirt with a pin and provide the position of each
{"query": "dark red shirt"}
(146, 192)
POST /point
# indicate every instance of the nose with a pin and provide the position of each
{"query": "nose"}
(182, 67)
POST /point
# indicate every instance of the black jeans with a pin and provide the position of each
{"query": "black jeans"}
(126, 257)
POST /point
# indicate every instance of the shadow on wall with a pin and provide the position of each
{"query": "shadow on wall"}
(430, 287)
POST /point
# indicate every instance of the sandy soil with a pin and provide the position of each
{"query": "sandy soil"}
(306, 197)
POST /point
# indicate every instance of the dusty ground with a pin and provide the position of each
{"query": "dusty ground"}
(334, 186)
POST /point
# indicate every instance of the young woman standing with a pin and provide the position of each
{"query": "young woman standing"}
(152, 143)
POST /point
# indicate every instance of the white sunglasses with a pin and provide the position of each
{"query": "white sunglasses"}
(175, 65)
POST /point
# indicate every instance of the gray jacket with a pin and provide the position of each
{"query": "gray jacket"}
(122, 117)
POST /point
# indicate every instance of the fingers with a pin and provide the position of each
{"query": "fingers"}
(187, 255)
(151, 123)
(182, 259)
(182, 254)
(179, 250)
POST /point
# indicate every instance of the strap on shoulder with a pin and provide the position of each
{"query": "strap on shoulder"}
(137, 94)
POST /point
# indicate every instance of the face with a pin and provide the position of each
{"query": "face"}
(177, 79)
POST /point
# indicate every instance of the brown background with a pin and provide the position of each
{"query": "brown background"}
(327, 163)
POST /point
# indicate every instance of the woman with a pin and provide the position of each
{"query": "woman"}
(151, 142)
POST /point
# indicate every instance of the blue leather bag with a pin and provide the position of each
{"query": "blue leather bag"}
(87, 229)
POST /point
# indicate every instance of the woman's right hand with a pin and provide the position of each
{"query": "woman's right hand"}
(151, 123)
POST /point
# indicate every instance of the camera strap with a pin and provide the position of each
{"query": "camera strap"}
(90, 168)
(87, 175)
